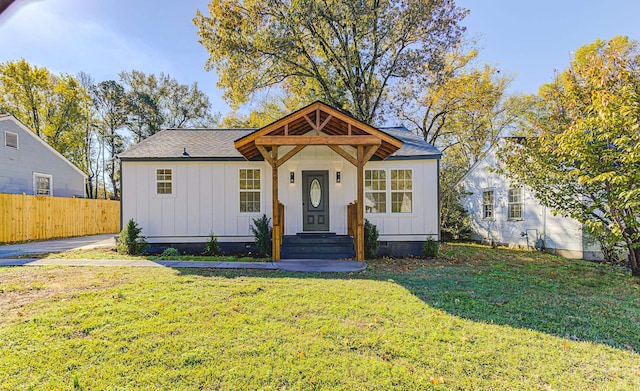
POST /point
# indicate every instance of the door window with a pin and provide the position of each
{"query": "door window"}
(315, 193)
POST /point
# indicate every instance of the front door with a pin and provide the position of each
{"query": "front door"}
(315, 200)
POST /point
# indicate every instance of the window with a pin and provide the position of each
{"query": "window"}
(401, 191)
(164, 181)
(487, 204)
(11, 140)
(375, 191)
(515, 203)
(42, 184)
(250, 190)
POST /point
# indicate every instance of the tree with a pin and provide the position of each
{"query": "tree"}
(24, 93)
(459, 108)
(67, 116)
(267, 112)
(144, 118)
(109, 98)
(582, 156)
(185, 106)
(463, 110)
(55, 107)
(91, 161)
(347, 54)
(157, 102)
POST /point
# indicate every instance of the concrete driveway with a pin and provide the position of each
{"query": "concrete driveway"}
(58, 245)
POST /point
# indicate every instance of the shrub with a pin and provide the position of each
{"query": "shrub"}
(170, 252)
(262, 233)
(130, 241)
(454, 218)
(212, 247)
(430, 248)
(371, 243)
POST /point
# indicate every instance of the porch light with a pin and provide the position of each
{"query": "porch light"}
(292, 177)
(337, 176)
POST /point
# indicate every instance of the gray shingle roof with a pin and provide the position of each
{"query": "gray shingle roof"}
(413, 146)
(199, 143)
(217, 144)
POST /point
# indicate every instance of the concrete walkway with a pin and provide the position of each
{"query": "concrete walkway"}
(58, 245)
(9, 252)
(320, 265)
(293, 265)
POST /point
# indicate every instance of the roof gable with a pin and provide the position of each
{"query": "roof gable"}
(490, 154)
(30, 133)
(325, 121)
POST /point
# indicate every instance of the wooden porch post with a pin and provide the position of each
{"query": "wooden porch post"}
(360, 206)
(276, 235)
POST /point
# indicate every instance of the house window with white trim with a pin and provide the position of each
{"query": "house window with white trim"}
(11, 140)
(401, 191)
(250, 190)
(164, 181)
(42, 184)
(375, 191)
(487, 204)
(515, 203)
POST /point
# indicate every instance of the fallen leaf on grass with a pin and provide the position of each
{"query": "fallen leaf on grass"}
(436, 381)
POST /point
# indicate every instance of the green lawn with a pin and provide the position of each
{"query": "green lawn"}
(477, 318)
(111, 253)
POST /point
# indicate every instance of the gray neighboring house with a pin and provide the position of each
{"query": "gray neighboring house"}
(31, 166)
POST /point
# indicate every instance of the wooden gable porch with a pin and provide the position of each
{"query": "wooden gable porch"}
(318, 124)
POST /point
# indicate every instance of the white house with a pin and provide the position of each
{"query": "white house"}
(317, 173)
(505, 214)
(31, 166)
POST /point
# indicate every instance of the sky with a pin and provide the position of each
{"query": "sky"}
(527, 39)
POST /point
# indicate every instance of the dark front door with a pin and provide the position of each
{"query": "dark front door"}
(315, 200)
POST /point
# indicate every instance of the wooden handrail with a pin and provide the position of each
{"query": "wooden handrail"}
(281, 216)
(352, 221)
(278, 230)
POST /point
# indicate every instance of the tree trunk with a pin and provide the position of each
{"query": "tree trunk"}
(633, 247)
(89, 187)
(632, 239)
(104, 169)
(634, 255)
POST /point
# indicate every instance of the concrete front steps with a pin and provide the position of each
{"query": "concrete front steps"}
(325, 245)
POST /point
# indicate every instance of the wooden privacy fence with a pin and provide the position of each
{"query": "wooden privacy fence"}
(27, 217)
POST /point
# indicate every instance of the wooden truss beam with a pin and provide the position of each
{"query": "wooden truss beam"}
(317, 140)
(265, 154)
(290, 154)
(345, 155)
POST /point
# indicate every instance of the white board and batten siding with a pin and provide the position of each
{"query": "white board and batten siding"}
(416, 225)
(562, 235)
(206, 197)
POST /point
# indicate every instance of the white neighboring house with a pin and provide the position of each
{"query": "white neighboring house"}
(181, 185)
(31, 166)
(510, 215)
